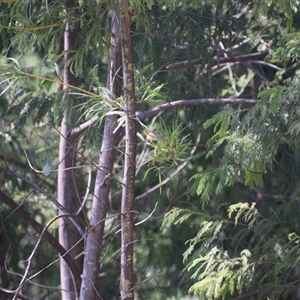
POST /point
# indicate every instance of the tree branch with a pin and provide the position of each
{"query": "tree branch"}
(39, 228)
(51, 198)
(194, 102)
(75, 132)
(218, 60)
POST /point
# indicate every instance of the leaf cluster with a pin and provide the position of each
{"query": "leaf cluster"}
(241, 253)
(170, 147)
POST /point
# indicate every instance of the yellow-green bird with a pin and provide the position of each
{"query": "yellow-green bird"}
(152, 135)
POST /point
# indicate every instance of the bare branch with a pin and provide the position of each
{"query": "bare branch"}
(261, 62)
(218, 60)
(28, 279)
(42, 191)
(79, 130)
(230, 73)
(194, 102)
(46, 235)
(246, 63)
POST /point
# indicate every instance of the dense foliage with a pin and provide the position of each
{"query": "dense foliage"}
(216, 191)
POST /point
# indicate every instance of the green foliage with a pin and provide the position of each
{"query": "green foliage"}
(247, 142)
(245, 212)
(262, 8)
(262, 253)
(175, 216)
(44, 26)
(29, 93)
(170, 147)
(243, 155)
(249, 248)
(238, 247)
(220, 274)
(288, 47)
(147, 89)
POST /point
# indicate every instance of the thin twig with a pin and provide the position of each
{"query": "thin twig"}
(230, 73)
(51, 198)
(24, 278)
(246, 63)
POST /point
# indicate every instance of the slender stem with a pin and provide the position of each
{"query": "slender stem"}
(18, 208)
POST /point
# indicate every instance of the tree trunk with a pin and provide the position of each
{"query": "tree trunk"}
(67, 196)
(94, 239)
(67, 189)
(127, 282)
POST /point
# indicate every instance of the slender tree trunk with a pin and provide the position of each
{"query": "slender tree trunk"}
(94, 239)
(67, 189)
(67, 196)
(127, 282)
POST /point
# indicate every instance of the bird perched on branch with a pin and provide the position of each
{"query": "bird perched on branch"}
(153, 135)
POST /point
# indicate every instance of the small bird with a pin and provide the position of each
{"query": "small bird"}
(152, 135)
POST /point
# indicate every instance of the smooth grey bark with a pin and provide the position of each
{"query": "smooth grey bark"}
(110, 142)
(127, 222)
(67, 194)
